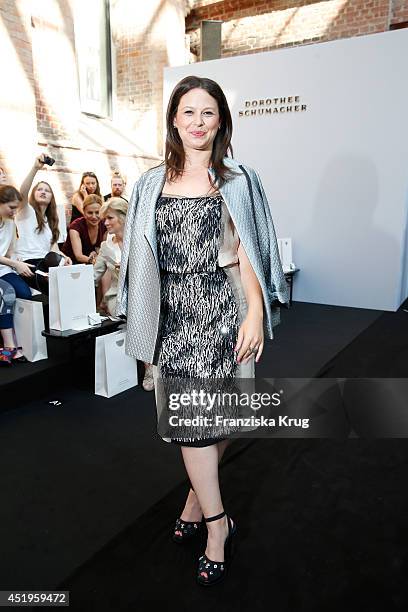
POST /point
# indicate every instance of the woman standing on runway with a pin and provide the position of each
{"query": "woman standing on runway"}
(200, 268)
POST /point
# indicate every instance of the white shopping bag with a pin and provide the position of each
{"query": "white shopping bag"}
(114, 370)
(285, 252)
(71, 296)
(28, 325)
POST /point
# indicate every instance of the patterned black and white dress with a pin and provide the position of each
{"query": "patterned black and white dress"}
(202, 304)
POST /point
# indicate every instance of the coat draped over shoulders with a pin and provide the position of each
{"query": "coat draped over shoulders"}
(139, 279)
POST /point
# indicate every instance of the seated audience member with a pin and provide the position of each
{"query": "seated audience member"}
(37, 229)
(117, 187)
(12, 285)
(85, 234)
(89, 186)
(7, 304)
(114, 214)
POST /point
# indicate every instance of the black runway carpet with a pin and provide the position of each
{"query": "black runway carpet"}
(321, 527)
(321, 523)
(75, 475)
(381, 350)
(92, 493)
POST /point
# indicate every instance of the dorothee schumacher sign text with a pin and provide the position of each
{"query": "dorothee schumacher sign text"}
(272, 106)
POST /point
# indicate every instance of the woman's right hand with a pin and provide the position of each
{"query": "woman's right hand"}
(83, 190)
(23, 268)
(92, 258)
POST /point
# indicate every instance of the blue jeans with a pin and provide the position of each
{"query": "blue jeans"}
(21, 290)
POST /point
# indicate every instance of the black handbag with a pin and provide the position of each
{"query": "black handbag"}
(274, 303)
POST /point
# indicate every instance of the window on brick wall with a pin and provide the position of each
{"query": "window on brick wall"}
(93, 51)
(399, 26)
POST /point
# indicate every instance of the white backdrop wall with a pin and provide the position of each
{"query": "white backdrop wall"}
(336, 173)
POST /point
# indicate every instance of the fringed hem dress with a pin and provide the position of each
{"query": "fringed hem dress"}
(202, 307)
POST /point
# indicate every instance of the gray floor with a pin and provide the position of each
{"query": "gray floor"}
(75, 475)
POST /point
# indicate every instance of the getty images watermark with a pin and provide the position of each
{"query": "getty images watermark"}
(190, 409)
(215, 402)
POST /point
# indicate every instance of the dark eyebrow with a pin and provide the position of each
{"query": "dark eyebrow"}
(206, 108)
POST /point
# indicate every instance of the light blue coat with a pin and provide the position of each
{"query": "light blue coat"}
(139, 280)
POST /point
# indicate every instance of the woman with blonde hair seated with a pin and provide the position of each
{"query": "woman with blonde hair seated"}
(113, 213)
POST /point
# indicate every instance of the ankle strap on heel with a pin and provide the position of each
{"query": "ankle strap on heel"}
(214, 518)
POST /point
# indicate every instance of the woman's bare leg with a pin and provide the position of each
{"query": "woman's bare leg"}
(9, 340)
(192, 509)
(202, 469)
(8, 337)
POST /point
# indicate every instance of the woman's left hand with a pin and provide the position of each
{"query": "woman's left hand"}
(39, 161)
(250, 341)
(68, 261)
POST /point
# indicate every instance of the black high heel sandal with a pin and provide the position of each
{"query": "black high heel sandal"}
(188, 529)
(216, 570)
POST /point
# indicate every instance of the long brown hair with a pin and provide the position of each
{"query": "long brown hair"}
(8, 193)
(92, 175)
(175, 155)
(50, 213)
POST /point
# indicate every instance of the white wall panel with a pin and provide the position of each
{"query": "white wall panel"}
(336, 174)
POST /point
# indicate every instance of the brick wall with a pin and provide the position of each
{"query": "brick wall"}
(251, 26)
(41, 111)
(17, 97)
(399, 12)
(153, 39)
(39, 100)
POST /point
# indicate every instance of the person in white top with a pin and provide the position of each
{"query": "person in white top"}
(113, 213)
(37, 224)
(12, 272)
